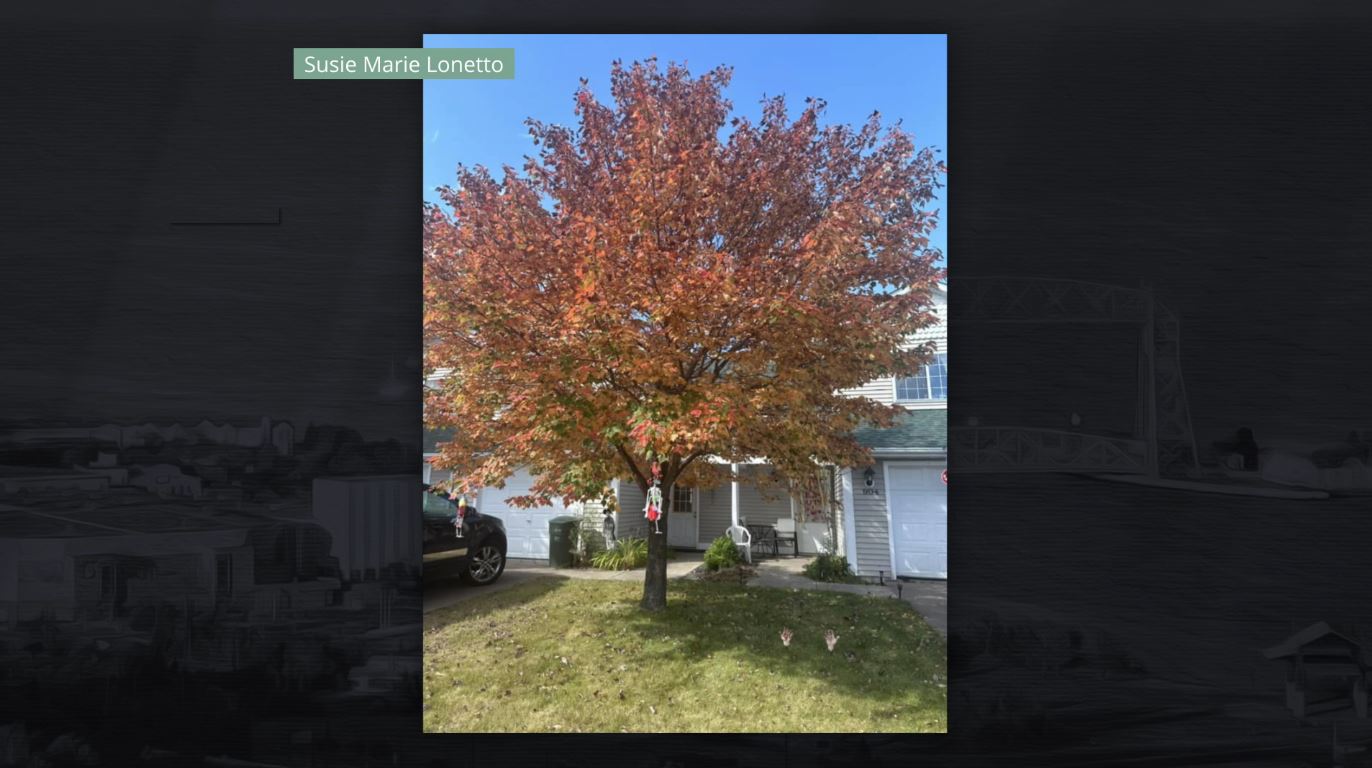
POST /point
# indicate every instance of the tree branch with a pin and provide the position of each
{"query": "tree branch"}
(642, 481)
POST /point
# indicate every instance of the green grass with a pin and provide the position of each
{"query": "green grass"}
(580, 656)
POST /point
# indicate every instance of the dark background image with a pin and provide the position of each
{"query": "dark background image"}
(1218, 154)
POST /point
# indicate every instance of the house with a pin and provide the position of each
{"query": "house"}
(888, 519)
(432, 439)
(109, 562)
(1325, 670)
(280, 435)
(165, 480)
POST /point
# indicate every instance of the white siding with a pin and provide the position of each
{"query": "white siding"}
(883, 390)
(592, 516)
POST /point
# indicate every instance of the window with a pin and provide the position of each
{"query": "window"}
(223, 574)
(681, 500)
(438, 508)
(931, 383)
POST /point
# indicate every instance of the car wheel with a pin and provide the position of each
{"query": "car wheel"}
(487, 563)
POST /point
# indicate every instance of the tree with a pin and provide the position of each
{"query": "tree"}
(667, 284)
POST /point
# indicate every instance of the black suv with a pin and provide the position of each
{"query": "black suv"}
(477, 557)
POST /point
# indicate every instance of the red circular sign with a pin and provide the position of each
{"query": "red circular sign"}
(945, 477)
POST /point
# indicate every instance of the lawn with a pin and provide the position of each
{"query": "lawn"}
(579, 656)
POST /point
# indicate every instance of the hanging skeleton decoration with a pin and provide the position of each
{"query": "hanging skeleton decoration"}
(653, 509)
(461, 513)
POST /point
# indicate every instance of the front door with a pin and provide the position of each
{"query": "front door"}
(681, 525)
(223, 576)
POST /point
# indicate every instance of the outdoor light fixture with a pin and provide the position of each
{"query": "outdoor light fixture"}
(870, 476)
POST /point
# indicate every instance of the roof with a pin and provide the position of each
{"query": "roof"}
(920, 431)
(1317, 631)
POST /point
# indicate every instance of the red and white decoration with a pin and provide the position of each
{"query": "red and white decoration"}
(653, 508)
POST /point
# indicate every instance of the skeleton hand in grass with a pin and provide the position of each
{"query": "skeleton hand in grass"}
(830, 639)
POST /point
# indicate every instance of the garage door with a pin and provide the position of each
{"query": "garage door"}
(919, 520)
(525, 529)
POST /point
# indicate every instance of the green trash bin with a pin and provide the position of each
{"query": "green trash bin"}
(561, 541)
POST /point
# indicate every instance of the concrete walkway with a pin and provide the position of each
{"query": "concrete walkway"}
(444, 594)
(683, 564)
(928, 597)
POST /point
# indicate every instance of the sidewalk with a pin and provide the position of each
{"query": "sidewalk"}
(683, 564)
(518, 571)
(928, 597)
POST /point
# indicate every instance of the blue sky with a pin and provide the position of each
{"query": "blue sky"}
(482, 121)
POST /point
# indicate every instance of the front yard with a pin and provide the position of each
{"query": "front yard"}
(579, 656)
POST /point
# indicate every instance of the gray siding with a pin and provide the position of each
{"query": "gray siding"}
(869, 523)
(756, 508)
(714, 513)
(629, 522)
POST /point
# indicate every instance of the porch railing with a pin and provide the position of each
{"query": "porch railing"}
(1025, 449)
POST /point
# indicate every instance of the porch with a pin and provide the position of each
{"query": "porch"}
(763, 510)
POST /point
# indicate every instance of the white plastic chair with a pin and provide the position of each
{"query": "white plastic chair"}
(743, 539)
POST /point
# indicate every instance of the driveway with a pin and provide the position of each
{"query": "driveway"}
(930, 598)
(441, 594)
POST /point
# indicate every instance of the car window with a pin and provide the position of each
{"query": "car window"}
(437, 506)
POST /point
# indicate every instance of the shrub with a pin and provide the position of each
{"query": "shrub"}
(833, 568)
(723, 553)
(625, 555)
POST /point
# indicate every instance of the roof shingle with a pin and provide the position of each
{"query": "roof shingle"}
(921, 429)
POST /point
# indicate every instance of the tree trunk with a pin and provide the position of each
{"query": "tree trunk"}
(655, 575)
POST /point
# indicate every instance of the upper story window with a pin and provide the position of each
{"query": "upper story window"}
(931, 383)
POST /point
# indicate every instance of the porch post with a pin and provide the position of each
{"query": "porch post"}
(733, 497)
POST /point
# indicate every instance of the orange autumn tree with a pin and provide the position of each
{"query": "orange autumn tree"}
(667, 284)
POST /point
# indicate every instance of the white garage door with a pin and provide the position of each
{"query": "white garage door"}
(526, 530)
(919, 519)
